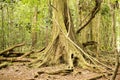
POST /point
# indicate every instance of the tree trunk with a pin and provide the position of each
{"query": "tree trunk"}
(8, 24)
(61, 49)
(3, 33)
(34, 26)
(114, 43)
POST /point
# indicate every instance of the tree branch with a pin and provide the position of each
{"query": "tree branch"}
(93, 13)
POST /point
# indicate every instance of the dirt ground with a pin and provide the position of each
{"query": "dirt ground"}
(22, 72)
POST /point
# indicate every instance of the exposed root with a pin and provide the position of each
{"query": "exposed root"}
(68, 51)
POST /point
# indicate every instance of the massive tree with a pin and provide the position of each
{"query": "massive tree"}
(64, 46)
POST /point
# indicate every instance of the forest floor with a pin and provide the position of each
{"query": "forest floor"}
(19, 71)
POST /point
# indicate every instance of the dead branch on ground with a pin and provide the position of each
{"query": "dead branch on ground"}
(15, 59)
(10, 48)
(4, 64)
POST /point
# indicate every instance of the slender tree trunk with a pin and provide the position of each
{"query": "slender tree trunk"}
(9, 20)
(114, 42)
(46, 37)
(50, 11)
(98, 33)
(34, 26)
(12, 37)
(3, 33)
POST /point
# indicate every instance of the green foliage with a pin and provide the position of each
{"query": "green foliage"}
(8, 1)
(18, 18)
(31, 2)
(105, 10)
